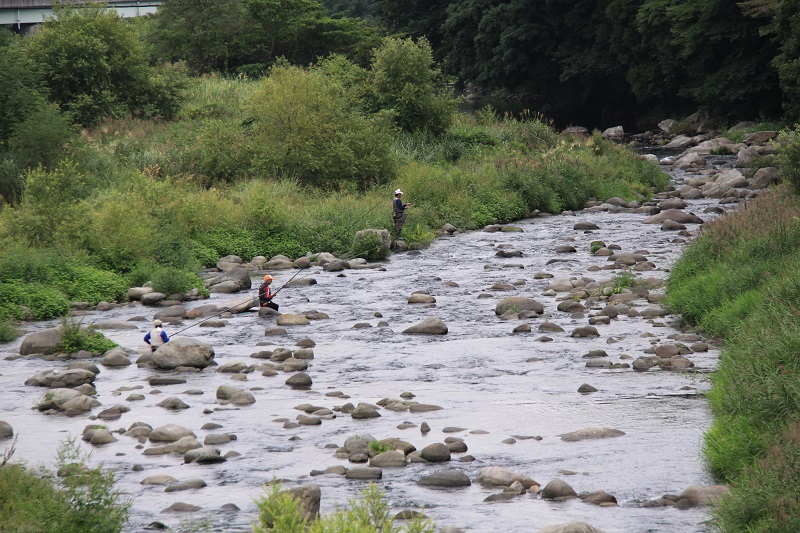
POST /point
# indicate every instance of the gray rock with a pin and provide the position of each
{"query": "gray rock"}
(6, 431)
(445, 479)
(309, 496)
(169, 433)
(591, 433)
(518, 304)
(299, 380)
(183, 351)
(495, 476)
(429, 326)
(435, 453)
(186, 485)
(585, 331)
(556, 489)
(40, 342)
(364, 473)
(389, 459)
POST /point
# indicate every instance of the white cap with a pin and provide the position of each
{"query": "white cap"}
(398, 191)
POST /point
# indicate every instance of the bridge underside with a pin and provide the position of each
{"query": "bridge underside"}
(19, 16)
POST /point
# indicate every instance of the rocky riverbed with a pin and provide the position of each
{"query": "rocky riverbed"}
(539, 361)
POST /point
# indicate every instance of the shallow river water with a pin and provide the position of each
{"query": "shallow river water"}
(484, 376)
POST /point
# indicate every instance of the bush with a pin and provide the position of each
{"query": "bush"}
(74, 338)
(8, 331)
(370, 246)
(77, 500)
(280, 512)
(170, 280)
(27, 301)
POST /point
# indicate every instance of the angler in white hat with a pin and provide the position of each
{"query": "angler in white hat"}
(157, 336)
(398, 213)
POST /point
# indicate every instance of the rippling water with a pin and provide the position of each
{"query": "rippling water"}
(483, 375)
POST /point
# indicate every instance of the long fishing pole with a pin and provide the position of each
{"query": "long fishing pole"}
(308, 264)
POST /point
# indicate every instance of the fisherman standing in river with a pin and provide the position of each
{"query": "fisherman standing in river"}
(399, 213)
(157, 336)
(265, 294)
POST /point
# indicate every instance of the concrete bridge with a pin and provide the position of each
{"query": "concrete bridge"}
(21, 14)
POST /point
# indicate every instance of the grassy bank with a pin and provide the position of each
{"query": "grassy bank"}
(740, 280)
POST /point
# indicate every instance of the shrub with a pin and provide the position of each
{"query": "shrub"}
(306, 126)
(170, 280)
(370, 246)
(8, 331)
(280, 512)
(31, 301)
(76, 500)
(87, 284)
(74, 338)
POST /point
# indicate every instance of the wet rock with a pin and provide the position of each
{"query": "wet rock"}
(186, 485)
(418, 298)
(585, 226)
(115, 358)
(586, 388)
(585, 331)
(558, 489)
(299, 380)
(6, 431)
(292, 320)
(173, 403)
(159, 480)
(170, 433)
(495, 476)
(180, 507)
(591, 433)
(698, 495)
(183, 352)
(66, 399)
(389, 459)
(61, 379)
(423, 408)
(551, 327)
(308, 496)
(676, 215)
(598, 498)
(364, 473)
(275, 331)
(445, 479)
(435, 453)
(429, 326)
(203, 455)
(365, 410)
(518, 304)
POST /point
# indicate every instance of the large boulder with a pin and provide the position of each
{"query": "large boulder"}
(183, 351)
(557, 489)
(57, 398)
(429, 326)
(61, 379)
(169, 433)
(238, 275)
(591, 433)
(674, 214)
(496, 476)
(43, 341)
(308, 496)
(517, 304)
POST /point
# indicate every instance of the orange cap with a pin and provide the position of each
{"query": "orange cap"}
(267, 278)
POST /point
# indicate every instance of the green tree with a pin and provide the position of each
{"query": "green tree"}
(306, 126)
(404, 80)
(93, 62)
(23, 89)
(208, 35)
(41, 138)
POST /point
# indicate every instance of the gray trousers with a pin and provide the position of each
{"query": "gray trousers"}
(399, 221)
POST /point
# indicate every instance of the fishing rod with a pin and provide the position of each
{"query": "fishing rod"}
(300, 270)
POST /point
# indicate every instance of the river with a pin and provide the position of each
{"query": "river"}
(491, 382)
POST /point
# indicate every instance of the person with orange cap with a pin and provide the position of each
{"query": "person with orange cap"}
(265, 294)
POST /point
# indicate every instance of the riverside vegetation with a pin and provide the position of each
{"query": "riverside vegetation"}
(146, 174)
(740, 280)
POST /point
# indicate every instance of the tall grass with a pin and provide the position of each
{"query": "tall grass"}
(741, 280)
